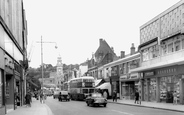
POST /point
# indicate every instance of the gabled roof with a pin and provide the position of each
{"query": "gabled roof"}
(104, 45)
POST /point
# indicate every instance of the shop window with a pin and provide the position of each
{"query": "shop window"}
(152, 89)
(177, 45)
(170, 48)
(167, 86)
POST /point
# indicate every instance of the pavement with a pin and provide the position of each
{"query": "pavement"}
(36, 109)
(155, 105)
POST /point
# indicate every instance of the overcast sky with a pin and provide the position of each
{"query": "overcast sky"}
(77, 25)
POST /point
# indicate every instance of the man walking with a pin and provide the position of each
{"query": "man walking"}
(136, 97)
(114, 96)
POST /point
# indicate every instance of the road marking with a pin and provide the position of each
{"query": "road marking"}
(123, 112)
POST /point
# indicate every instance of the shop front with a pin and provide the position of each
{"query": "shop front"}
(9, 86)
(170, 79)
(2, 96)
(129, 83)
(160, 84)
(114, 79)
(17, 85)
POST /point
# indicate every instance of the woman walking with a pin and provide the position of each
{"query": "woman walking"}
(28, 99)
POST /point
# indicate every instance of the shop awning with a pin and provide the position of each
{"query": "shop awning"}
(31, 82)
(97, 82)
(106, 85)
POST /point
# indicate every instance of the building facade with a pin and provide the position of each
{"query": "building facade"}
(118, 74)
(162, 50)
(103, 55)
(13, 45)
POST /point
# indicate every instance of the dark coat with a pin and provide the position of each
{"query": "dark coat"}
(136, 96)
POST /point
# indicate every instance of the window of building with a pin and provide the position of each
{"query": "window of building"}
(150, 52)
(145, 55)
(128, 67)
(170, 48)
(121, 69)
(177, 45)
(124, 68)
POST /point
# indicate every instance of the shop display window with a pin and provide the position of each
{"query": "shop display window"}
(128, 90)
(152, 89)
(167, 86)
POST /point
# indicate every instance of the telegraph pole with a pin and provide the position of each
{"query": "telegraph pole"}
(42, 74)
(42, 60)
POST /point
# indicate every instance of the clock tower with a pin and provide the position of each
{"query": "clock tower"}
(59, 66)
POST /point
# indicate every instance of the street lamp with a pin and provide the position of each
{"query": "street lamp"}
(42, 56)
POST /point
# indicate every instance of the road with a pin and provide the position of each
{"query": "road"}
(80, 108)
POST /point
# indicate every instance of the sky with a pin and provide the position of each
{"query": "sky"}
(76, 26)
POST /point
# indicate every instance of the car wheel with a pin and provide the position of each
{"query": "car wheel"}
(87, 104)
(105, 105)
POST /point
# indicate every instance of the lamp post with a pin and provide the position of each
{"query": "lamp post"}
(42, 57)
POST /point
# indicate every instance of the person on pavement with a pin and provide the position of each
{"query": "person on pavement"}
(41, 97)
(175, 97)
(114, 96)
(28, 99)
(136, 97)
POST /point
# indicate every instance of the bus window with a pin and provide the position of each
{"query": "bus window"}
(85, 90)
(91, 90)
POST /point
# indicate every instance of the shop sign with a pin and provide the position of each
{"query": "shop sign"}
(166, 71)
(8, 62)
(123, 77)
(151, 73)
(134, 75)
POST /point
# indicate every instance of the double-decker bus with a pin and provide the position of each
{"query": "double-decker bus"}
(80, 88)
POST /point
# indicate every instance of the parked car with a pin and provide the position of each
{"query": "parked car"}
(56, 94)
(64, 95)
(96, 99)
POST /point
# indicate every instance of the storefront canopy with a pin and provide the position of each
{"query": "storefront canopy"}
(97, 82)
(106, 85)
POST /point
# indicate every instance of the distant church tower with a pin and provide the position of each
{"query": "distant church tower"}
(60, 76)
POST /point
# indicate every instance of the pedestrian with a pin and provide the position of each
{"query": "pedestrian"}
(175, 98)
(28, 99)
(136, 97)
(41, 97)
(114, 96)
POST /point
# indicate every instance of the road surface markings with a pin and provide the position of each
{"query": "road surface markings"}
(123, 112)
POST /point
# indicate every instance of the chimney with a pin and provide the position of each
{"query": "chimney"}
(132, 49)
(122, 54)
(101, 40)
(112, 49)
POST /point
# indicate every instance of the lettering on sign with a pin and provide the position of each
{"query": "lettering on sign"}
(166, 71)
(149, 73)
(133, 77)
